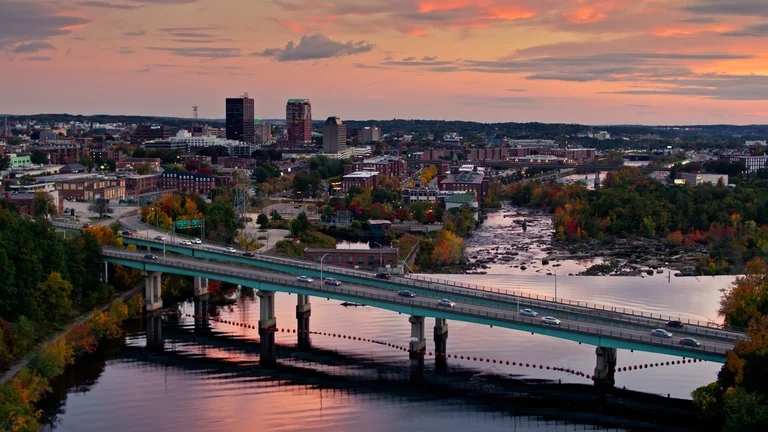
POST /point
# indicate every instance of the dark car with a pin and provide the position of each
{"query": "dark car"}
(87, 225)
(691, 342)
(150, 257)
(383, 276)
(406, 293)
(249, 254)
(675, 324)
(127, 233)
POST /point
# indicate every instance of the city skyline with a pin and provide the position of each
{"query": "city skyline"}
(599, 62)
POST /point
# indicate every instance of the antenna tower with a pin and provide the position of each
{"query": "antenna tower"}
(194, 112)
(6, 131)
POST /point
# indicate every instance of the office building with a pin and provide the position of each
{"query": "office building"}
(240, 126)
(144, 133)
(370, 134)
(298, 122)
(334, 136)
(263, 132)
(362, 179)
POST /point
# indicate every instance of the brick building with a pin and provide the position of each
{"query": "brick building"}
(133, 163)
(187, 182)
(467, 178)
(91, 188)
(751, 163)
(62, 152)
(355, 257)
(386, 166)
(145, 133)
(236, 162)
(363, 179)
(136, 185)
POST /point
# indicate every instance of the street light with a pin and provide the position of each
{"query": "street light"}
(321, 268)
(381, 250)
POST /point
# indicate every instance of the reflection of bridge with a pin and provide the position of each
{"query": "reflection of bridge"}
(607, 329)
(532, 163)
(335, 374)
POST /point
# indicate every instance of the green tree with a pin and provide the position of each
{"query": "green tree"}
(39, 157)
(110, 165)
(52, 299)
(276, 216)
(5, 162)
(745, 411)
(43, 205)
(262, 220)
(144, 169)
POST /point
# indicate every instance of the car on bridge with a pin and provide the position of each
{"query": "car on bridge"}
(150, 257)
(528, 312)
(196, 241)
(406, 293)
(127, 233)
(691, 342)
(332, 281)
(675, 324)
(661, 333)
(249, 254)
(550, 320)
(185, 243)
(445, 303)
(383, 276)
(160, 238)
(305, 279)
(229, 250)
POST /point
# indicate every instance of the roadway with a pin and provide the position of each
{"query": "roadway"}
(522, 163)
(598, 334)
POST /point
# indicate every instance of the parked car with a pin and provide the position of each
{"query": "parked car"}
(675, 324)
(229, 250)
(406, 293)
(383, 276)
(528, 312)
(661, 333)
(445, 303)
(150, 257)
(185, 243)
(550, 320)
(127, 233)
(332, 281)
(197, 241)
(249, 254)
(160, 238)
(691, 342)
(305, 279)
(87, 225)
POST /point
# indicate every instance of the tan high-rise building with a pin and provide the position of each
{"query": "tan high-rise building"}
(263, 132)
(370, 134)
(334, 136)
(298, 121)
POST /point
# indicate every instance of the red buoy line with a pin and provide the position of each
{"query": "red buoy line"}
(443, 355)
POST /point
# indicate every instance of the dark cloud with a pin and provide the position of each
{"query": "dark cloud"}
(125, 50)
(39, 58)
(33, 47)
(700, 20)
(428, 58)
(164, 2)
(135, 33)
(757, 30)
(315, 47)
(711, 86)
(107, 5)
(516, 90)
(729, 7)
(203, 52)
(408, 59)
(365, 66)
(24, 21)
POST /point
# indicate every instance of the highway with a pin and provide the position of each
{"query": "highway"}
(600, 334)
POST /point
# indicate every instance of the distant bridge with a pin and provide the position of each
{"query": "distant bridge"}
(532, 163)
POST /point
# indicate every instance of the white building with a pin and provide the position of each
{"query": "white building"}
(696, 178)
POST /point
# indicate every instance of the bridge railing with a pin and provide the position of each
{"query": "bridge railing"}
(495, 294)
(414, 302)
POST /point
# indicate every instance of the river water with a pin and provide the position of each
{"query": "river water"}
(210, 379)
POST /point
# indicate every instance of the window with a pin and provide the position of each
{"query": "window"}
(349, 259)
(339, 259)
(390, 263)
(318, 258)
(370, 260)
(359, 260)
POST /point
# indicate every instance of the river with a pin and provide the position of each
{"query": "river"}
(210, 379)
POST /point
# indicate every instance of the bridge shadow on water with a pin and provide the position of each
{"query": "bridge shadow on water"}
(201, 351)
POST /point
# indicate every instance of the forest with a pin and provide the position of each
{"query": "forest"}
(731, 221)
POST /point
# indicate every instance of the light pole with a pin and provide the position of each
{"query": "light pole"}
(555, 285)
(381, 249)
(321, 268)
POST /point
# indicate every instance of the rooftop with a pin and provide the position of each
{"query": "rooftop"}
(298, 100)
(465, 177)
(379, 222)
(361, 174)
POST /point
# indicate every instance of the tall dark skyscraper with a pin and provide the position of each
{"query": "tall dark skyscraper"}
(298, 121)
(240, 124)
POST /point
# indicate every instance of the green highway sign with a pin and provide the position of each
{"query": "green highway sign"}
(184, 224)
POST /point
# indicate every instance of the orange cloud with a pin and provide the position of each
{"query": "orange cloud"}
(592, 12)
(510, 13)
(84, 18)
(291, 25)
(676, 31)
(417, 32)
(442, 5)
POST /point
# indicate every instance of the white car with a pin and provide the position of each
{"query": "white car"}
(550, 320)
(229, 250)
(305, 279)
(197, 241)
(446, 303)
(661, 333)
(185, 243)
(528, 312)
(332, 281)
(159, 238)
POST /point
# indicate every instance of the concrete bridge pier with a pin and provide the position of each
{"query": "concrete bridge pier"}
(303, 311)
(416, 348)
(597, 180)
(153, 325)
(441, 339)
(267, 324)
(201, 286)
(153, 291)
(201, 296)
(606, 367)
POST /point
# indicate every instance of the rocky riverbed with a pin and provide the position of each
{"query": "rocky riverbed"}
(517, 240)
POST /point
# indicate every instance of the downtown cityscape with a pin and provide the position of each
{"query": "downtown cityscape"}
(230, 216)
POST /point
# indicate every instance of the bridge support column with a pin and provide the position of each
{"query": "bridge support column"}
(597, 180)
(153, 325)
(201, 286)
(416, 348)
(303, 311)
(153, 291)
(606, 367)
(441, 339)
(267, 324)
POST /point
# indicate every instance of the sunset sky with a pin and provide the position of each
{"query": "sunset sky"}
(585, 61)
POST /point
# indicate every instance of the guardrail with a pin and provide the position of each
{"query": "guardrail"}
(460, 310)
(491, 294)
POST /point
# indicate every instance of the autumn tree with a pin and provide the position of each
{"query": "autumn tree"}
(449, 248)
(51, 301)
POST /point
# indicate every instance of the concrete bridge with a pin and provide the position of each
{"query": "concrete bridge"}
(485, 308)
